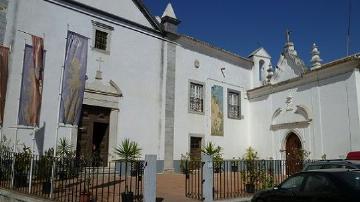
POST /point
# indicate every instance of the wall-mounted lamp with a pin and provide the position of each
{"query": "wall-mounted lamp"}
(222, 71)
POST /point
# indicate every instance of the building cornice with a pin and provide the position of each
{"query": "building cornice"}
(140, 4)
(208, 49)
(328, 70)
(89, 10)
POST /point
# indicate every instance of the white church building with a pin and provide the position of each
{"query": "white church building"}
(172, 93)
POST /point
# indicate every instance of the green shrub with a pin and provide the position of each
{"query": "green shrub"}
(214, 151)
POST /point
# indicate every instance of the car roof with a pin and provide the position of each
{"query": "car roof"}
(354, 161)
(331, 170)
(336, 161)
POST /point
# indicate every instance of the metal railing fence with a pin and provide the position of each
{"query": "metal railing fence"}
(73, 179)
(238, 178)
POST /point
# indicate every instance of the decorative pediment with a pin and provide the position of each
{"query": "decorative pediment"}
(99, 93)
(291, 117)
(98, 87)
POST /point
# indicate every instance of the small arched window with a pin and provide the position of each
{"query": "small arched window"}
(261, 70)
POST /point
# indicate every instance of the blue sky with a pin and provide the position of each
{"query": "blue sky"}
(242, 26)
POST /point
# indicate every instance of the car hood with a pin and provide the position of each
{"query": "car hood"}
(263, 192)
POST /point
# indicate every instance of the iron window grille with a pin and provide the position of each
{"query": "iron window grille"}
(196, 97)
(101, 40)
(234, 105)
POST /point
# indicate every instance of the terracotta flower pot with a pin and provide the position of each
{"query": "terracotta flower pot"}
(127, 197)
(85, 197)
(250, 188)
(46, 187)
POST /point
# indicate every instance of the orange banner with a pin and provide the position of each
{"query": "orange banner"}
(4, 58)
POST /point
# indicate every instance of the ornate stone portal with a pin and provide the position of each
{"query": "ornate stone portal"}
(103, 99)
(290, 116)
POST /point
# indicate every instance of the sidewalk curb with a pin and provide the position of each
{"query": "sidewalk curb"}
(247, 199)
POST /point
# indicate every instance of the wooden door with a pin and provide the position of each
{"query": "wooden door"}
(293, 157)
(195, 148)
(93, 134)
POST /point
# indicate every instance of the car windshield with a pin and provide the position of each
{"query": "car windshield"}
(352, 179)
(293, 183)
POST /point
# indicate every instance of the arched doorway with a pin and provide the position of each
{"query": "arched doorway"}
(293, 154)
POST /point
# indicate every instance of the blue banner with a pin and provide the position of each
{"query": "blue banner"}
(74, 77)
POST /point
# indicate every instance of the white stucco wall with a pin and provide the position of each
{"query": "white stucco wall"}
(235, 138)
(135, 69)
(123, 8)
(332, 130)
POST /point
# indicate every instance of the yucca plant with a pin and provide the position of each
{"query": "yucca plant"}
(215, 151)
(128, 151)
(64, 151)
(211, 149)
(64, 148)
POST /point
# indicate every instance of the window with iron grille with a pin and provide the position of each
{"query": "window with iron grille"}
(196, 97)
(101, 37)
(234, 106)
(101, 40)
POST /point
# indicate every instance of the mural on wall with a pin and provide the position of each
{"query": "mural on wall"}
(217, 112)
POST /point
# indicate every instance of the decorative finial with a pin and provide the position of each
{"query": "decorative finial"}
(169, 12)
(288, 32)
(269, 74)
(315, 57)
(289, 46)
(98, 75)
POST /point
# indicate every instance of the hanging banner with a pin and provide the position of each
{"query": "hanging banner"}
(217, 114)
(32, 84)
(4, 58)
(73, 79)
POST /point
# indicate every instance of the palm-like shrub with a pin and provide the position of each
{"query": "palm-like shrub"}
(214, 151)
(64, 148)
(66, 164)
(211, 149)
(128, 151)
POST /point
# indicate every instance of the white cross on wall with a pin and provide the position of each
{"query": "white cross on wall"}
(100, 60)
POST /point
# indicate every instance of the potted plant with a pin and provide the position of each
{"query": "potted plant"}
(66, 156)
(134, 168)
(214, 151)
(252, 172)
(5, 158)
(217, 162)
(128, 151)
(45, 169)
(234, 165)
(22, 164)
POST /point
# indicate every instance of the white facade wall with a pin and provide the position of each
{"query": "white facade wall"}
(123, 8)
(135, 69)
(332, 105)
(187, 124)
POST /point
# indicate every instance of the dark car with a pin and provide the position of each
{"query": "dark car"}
(327, 185)
(328, 164)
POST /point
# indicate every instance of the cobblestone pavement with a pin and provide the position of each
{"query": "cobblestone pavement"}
(171, 188)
